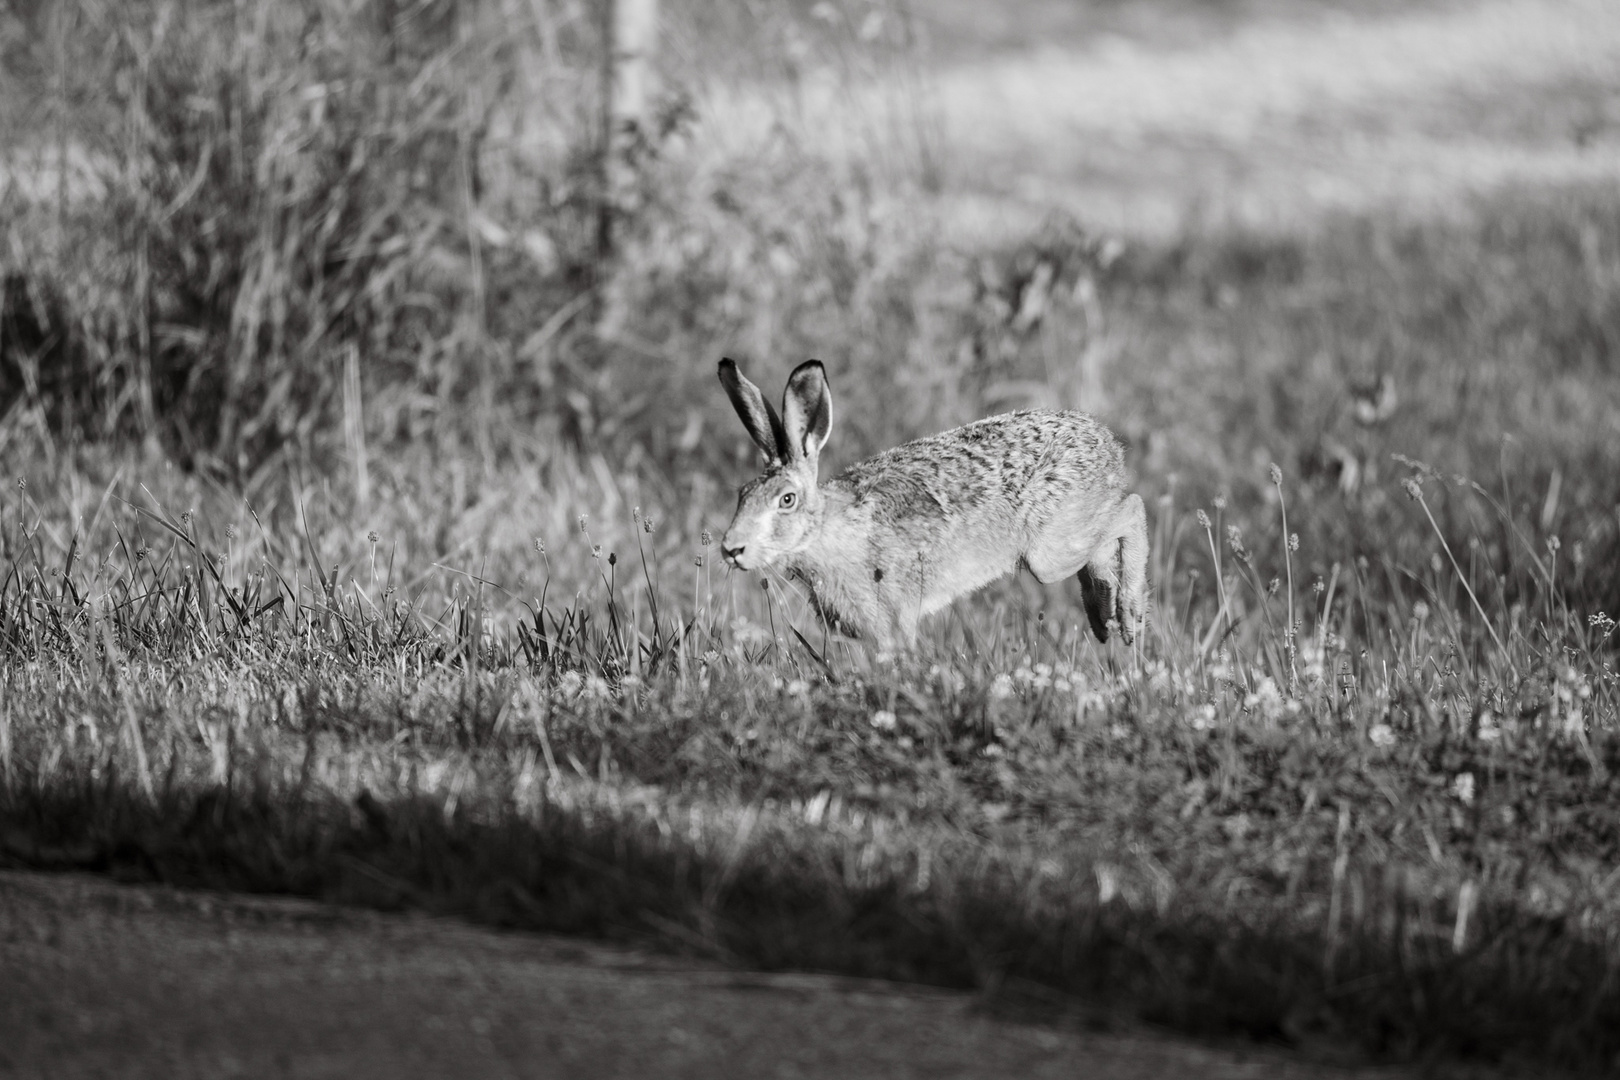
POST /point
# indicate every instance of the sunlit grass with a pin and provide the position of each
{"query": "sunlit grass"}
(1295, 830)
(451, 631)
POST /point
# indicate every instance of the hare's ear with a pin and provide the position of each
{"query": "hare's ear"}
(807, 410)
(763, 425)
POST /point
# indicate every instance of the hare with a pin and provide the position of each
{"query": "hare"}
(902, 534)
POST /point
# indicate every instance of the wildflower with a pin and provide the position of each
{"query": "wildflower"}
(596, 551)
(884, 720)
(569, 684)
(22, 485)
(1265, 699)
(1202, 718)
(613, 559)
(1090, 701)
(1381, 736)
(647, 526)
(1203, 519)
(1314, 659)
(1237, 826)
(635, 514)
(1276, 474)
(1293, 541)
(539, 546)
(230, 533)
(698, 561)
(582, 523)
(1413, 491)
(1488, 729)
(705, 539)
(1553, 544)
(1234, 540)
(1001, 687)
(1220, 501)
(1420, 611)
(1571, 689)
(1462, 786)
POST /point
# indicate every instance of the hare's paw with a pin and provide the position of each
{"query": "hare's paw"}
(1097, 594)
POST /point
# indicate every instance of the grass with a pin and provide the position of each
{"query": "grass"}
(1353, 792)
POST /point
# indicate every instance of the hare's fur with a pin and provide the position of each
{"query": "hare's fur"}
(902, 534)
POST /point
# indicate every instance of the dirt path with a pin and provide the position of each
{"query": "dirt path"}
(98, 979)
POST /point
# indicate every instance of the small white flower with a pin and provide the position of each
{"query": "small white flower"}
(1488, 729)
(1265, 699)
(884, 720)
(1001, 687)
(1463, 787)
(1381, 735)
(569, 684)
(1202, 718)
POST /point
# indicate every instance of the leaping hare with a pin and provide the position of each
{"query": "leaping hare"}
(904, 533)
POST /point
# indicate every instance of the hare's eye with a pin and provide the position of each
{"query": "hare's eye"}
(787, 500)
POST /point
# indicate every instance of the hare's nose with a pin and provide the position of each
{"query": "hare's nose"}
(732, 554)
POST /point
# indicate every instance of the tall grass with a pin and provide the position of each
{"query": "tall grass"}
(1403, 851)
(411, 602)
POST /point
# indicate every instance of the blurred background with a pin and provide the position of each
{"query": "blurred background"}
(409, 267)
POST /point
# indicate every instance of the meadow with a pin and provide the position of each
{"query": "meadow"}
(359, 526)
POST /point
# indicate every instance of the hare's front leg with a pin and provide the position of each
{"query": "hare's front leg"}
(1130, 525)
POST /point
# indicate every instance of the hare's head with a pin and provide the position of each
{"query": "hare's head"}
(779, 513)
